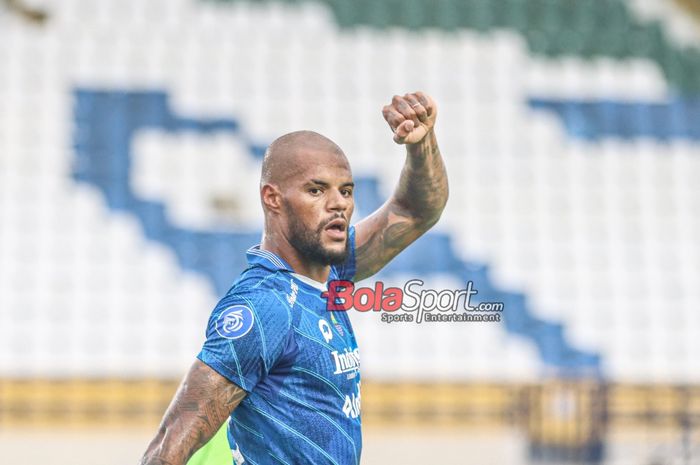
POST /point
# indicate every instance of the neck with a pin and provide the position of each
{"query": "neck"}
(284, 249)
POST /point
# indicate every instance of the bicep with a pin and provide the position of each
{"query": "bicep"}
(202, 403)
(381, 236)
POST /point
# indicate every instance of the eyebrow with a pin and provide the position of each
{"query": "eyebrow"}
(325, 184)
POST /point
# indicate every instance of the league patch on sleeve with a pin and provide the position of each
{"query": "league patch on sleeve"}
(234, 322)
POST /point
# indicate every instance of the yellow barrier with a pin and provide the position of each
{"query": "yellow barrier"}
(114, 402)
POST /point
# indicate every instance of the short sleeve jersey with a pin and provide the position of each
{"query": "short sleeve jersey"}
(299, 363)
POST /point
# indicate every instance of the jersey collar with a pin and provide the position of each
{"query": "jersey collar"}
(267, 259)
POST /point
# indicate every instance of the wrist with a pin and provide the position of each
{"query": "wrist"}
(423, 146)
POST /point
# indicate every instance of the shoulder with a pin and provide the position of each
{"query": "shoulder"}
(260, 287)
(262, 294)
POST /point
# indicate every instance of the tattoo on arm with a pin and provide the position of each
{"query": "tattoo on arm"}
(202, 403)
(415, 207)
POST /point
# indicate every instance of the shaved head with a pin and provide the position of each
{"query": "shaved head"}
(306, 190)
(288, 155)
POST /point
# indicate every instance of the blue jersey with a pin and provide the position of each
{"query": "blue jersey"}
(299, 363)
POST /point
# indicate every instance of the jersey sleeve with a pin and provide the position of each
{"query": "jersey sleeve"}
(346, 270)
(246, 335)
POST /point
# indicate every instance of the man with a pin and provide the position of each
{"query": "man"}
(283, 369)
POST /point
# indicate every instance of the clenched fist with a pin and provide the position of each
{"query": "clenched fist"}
(410, 117)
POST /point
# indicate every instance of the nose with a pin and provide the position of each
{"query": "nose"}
(338, 202)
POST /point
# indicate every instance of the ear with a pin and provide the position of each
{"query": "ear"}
(271, 198)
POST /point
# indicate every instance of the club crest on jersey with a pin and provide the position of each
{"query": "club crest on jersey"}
(234, 322)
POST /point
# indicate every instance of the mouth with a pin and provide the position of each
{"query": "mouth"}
(336, 229)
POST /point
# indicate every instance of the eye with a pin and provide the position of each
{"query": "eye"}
(315, 191)
(346, 192)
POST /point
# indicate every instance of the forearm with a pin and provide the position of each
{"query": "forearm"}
(175, 443)
(420, 195)
(422, 190)
(201, 405)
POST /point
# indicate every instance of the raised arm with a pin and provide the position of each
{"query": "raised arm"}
(422, 191)
(202, 403)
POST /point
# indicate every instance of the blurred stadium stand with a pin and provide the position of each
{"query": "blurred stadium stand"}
(130, 140)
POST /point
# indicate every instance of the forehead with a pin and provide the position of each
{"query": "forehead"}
(320, 165)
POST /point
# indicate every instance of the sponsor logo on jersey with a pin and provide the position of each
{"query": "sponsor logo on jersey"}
(238, 458)
(347, 362)
(352, 404)
(234, 322)
(326, 330)
(337, 324)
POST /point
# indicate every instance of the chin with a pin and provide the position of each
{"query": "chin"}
(337, 253)
(336, 247)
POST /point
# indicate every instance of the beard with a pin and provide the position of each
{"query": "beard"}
(308, 242)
